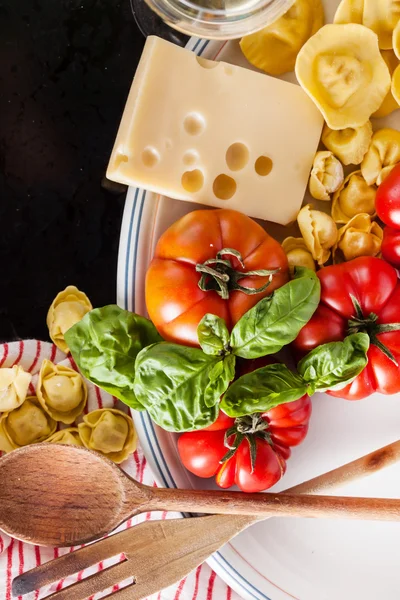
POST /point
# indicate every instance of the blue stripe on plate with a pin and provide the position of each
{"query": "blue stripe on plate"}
(152, 440)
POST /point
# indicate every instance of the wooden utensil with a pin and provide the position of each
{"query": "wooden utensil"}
(59, 495)
(159, 553)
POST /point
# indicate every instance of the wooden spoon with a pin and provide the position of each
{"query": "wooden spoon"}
(58, 495)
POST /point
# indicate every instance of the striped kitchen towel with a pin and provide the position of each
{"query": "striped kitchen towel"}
(17, 557)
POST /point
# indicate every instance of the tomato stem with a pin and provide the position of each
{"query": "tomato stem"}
(219, 275)
(249, 428)
(370, 325)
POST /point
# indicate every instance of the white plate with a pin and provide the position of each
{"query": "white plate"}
(281, 559)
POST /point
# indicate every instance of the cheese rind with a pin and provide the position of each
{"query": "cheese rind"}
(195, 131)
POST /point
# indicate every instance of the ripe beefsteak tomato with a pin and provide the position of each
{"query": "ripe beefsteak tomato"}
(250, 451)
(360, 295)
(210, 261)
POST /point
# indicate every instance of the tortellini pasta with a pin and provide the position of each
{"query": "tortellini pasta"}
(326, 175)
(349, 145)
(382, 156)
(342, 70)
(353, 197)
(319, 232)
(14, 384)
(381, 16)
(298, 254)
(61, 391)
(350, 11)
(389, 104)
(360, 237)
(396, 85)
(396, 40)
(68, 307)
(27, 424)
(274, 48)
(110, 432)
(69, 436)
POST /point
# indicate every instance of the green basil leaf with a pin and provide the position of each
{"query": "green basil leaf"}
(261, 390)
(213, 335)
(277, 319)
(333, 366)
(104, 345)
(220, 377)
(170, 383)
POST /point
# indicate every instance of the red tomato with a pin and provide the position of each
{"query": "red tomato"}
(391, 246)
(202, 452)
(174, 300)
(387, 200)
(372, 284)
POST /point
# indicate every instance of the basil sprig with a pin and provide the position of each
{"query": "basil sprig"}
(277, 319)
(330, 366)
(105, 344)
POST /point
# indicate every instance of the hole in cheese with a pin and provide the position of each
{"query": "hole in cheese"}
(194, 123)
(119, 159)
(224, 187)
(263, 165)
(192, 181)
(237, 156)
(150, 157)
(190, 158)
(206, 63)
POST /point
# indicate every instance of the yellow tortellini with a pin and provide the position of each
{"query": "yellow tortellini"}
(342, 70)
(274, 48)
(27, 424)
(14, 384)
(396, 85)
(382, 156)
(69, 436)
(350, 144)
(350, 11)
(61, 391)
(298, 254)
(396, 40)
(68, 307)
(110, 432)
(319, 232)
(326, 175)
(381, 16)
(353, 197)
(389, 104)
(360, 237)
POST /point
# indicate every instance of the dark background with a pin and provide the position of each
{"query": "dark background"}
(65, 71)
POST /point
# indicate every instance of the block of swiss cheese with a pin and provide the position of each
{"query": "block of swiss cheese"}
(217, 134)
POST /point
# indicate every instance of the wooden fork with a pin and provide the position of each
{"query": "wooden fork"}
(159, 553)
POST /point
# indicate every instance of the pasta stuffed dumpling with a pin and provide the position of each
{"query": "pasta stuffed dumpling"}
(389, 104)
(14, 384)
(326, 175)
(319, 232)
(349, 11)
(382, 17)
(360, 237)
(382, 156)
(69, 436)
(61, 391)
(297, 253)
(342, 70)
(110, 432)
(349, 145)
(353, 197)
(396, 85)
(68, 307)
(274, 48)
(396, 40)
(27, 424)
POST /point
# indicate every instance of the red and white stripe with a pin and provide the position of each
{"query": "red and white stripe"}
(16, 557)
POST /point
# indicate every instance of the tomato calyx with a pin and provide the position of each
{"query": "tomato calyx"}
(219, 275)
(370, 325)
(248, 428)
